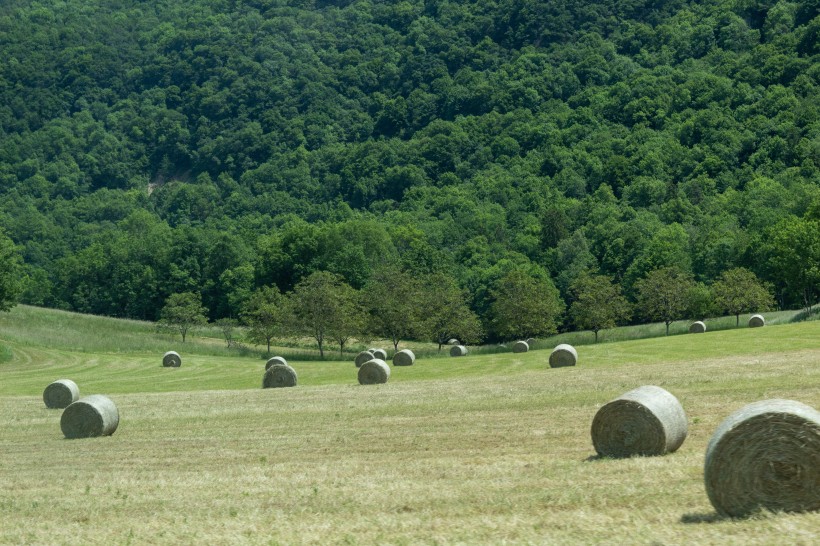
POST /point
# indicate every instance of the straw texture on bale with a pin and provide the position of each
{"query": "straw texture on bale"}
(756, 321)
(405, 357)
(363, 357)
(765, 456)
(520, 347)
(171, 360)
(61, 393)
(563, 355)
(530, 341)
(274, 361)
(374, 371)
(279, 375)
(94, 415)
(697, 327)
(452, 341)
(378, 353)
(458, 350)
(645, 421)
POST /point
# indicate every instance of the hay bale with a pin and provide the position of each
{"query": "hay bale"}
(279, 375)
(452, 341)
(405, 357)
(756, 321)
(520, 347)
(697, 327)
(171, 360)
(563, 355)
(530, 341)
(374, 371)
(363, 357)
(765, 456)
(645, 421)
(274, 361)
(94, 415)
(61, 393)
(381, 354)
(458, 350)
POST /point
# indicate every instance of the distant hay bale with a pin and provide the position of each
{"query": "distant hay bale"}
(563, 355)
(171, 360)
(279, 375)
(374, 371)
(697, 327)
(458, 350)
(61, 393)
(363, 357)
(94, 415)
(452, 341)
(765, 456)
(520, 347)
(274, 361)
(756, 321)
(530, 341)
(379, 353)
(405, 357)
(645, 421)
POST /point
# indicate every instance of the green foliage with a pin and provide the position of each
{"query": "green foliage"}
(446, 314)
(597, 304)
(394, 301)
(740, 291)
(182, 312)
(9, 273)
(265, 314)
(524, 306)
(664, 295)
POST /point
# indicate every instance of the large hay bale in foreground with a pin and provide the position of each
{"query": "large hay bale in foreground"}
(405, 357)
(273, 361)
(381, 354)
(373, 372)
(520, 347)
(171, 360)
(563, 355)
(756, 321)
(765, 456)
(61, 393)
(94, 415)
(458, 350)
(363, 357)
(697, 327)
(279, 375)
(645, 421)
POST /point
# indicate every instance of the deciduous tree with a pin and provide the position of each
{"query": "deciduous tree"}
(598, 304)
(739, 291)
(182, 312)
(663, 295)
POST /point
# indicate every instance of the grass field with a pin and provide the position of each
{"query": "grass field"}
(484, 449)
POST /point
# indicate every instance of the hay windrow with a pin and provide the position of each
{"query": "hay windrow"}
(94, 415)
(645, 421)
(520, 347)
(765, 456)
(61, 393)
(697, 327)
(171, 360)
(373, 372)
(458, 350)
(363, 357)
(756, 321)
(275, 360)
(381, 354)
(563, 355)
(405, 357)
(279, 375)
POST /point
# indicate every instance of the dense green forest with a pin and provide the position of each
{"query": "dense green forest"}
(157, 147)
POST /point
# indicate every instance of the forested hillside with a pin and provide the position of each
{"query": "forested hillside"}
(218, 146)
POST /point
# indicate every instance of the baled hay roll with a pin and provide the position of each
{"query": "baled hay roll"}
(530, 341)
(645, 421)
(61, 393)
(563, 355)
(171, 360)
(381, 354)
(458, 350)
(94, 415)
(274, 361)
(520, 347)
(697, 327)
(765, 455)
(363, 357)
(374, 371)
(452, 341)
(279, 375)
(756, 321)
(405, 357)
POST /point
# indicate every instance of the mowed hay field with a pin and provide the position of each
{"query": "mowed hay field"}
(490, 449)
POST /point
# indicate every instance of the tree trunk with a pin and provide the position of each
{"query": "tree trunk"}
(596, 335)
(667, 327)
(737, 320)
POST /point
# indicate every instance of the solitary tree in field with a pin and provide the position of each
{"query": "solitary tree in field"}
(9, 274)
(265, 314)
(524, 306)
(182, 312)
(598, 304)
(393, 300)
(663, 295)
(739, 291)
(446, 313)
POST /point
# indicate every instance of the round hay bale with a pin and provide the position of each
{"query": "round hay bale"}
(697, 327)
(279, 375)
(765, 456)
(94, 415)
(563, 355)
(363, 357)
(452, 341)
(458, 350)
(61, 393)
(645, 421)
(274, 361)
(381, 354)
(171, 360)
(530, 341)
(520, 347)
(405, 357)
(374, 371)
(756, 321)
